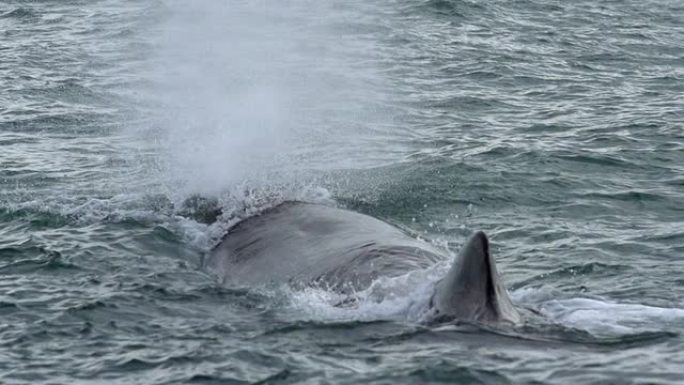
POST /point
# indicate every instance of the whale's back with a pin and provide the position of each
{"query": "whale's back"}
(304, 243)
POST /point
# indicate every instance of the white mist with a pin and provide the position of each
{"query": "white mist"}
(257, 92)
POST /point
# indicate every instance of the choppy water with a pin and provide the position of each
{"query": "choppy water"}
(557, 127)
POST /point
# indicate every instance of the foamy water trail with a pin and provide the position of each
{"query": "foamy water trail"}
(602, 317)
(598, 316)
(406, 299)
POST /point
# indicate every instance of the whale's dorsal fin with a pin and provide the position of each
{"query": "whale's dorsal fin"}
(472, 290)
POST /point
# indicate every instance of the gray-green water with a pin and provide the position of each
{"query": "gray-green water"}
(556, 127)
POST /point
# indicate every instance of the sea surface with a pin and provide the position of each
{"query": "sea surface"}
(133, 134)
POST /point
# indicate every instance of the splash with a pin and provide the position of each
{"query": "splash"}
(403, 299)
(243, 201)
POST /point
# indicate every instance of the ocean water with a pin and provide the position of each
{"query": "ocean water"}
(134, 133)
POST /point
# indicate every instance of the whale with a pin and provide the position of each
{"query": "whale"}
(305, 244)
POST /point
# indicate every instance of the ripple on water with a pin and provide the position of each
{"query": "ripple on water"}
(19, 14)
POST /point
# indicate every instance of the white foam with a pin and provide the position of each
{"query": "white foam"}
(242, 202)
(597, 316)
(404, 299)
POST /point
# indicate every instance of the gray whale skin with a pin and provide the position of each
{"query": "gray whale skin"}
(308, 244)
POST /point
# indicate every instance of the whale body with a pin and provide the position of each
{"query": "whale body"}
(308, 244)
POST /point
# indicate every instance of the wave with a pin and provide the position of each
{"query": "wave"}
(18, 13)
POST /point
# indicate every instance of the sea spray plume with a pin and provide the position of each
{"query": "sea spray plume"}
(249, 89)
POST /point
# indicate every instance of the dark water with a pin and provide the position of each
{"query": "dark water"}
(556, 127)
